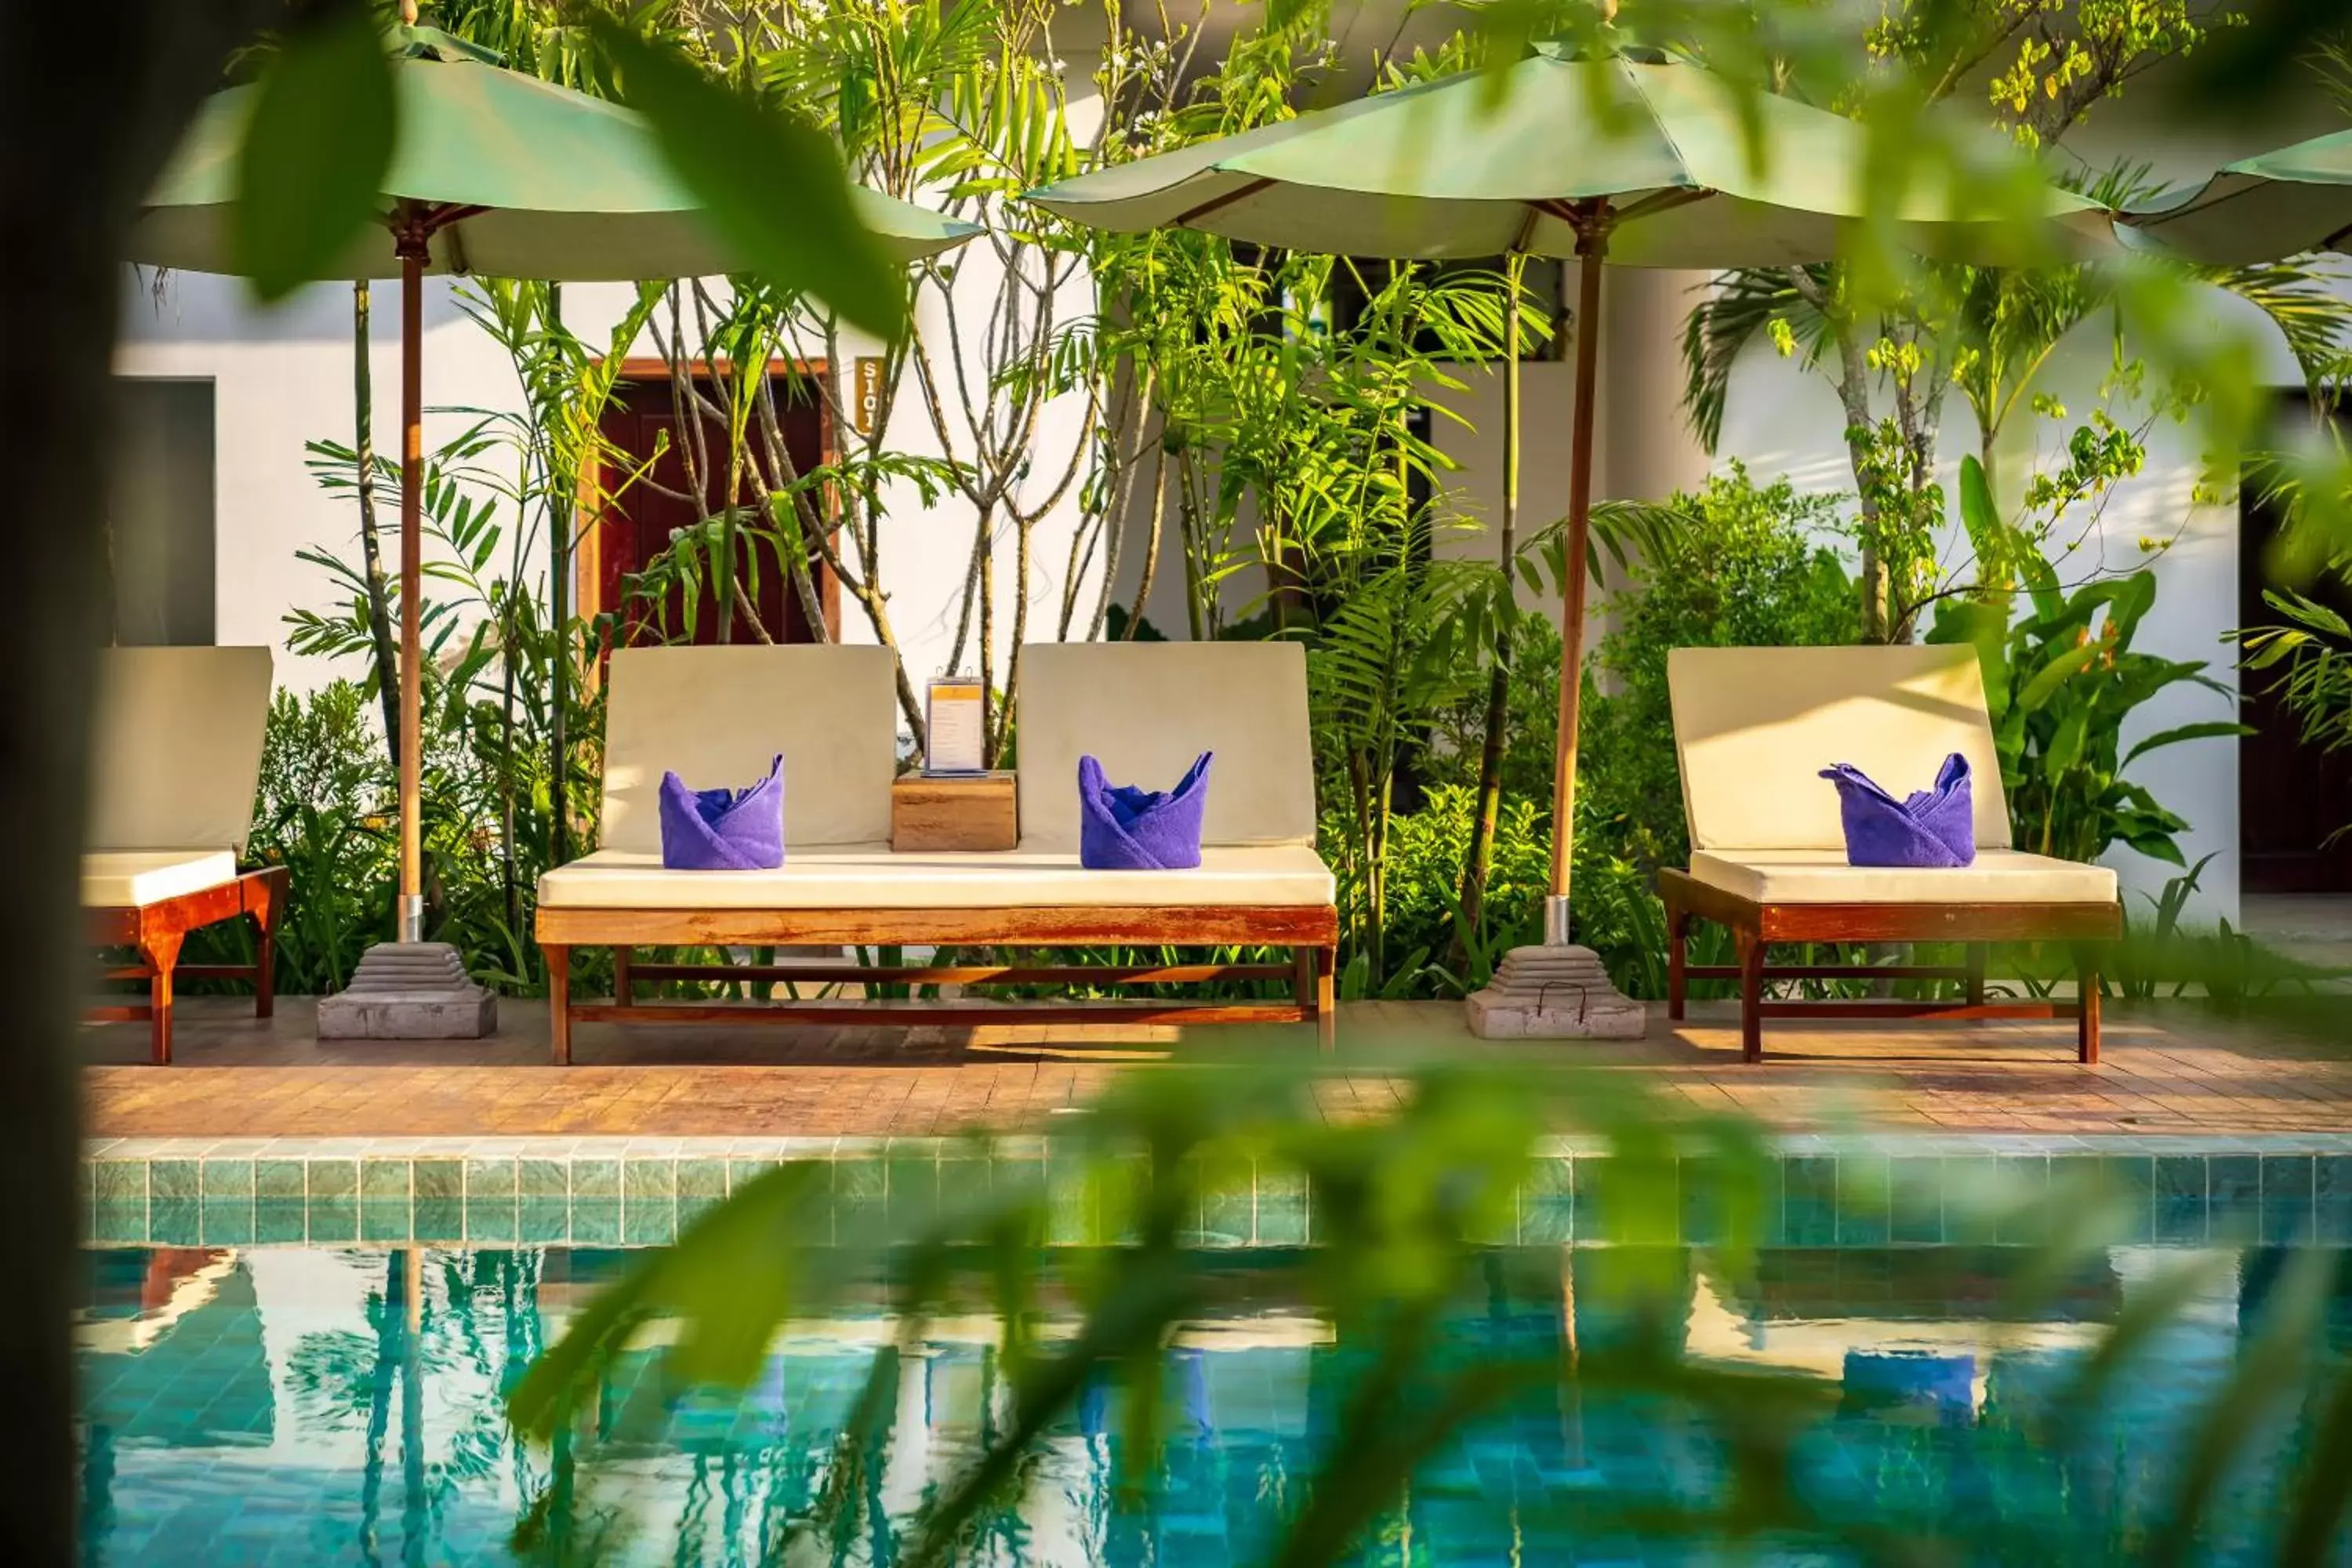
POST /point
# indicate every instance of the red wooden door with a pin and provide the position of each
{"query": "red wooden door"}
(639, 524)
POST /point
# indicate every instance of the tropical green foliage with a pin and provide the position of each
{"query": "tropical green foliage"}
(2061, 682)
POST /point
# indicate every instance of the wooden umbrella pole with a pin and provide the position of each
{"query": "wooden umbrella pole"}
(412, 240)
(1591, 248)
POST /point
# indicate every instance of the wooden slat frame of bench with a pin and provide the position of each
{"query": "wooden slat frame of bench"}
(1754, 926)
(1310, 931)
(158, 930)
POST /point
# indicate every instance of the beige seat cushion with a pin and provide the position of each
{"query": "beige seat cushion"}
(870, 877)
(176, 746)
(1822, 877)
(1755, 726)
(715, 716)
(124, 880)
(1146, 710)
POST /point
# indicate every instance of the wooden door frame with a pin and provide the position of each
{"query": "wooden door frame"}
(588, 555)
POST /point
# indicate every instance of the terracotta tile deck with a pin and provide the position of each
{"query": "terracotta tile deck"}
(2168, 1069)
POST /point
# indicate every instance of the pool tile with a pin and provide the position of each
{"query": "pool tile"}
(119, 1182)
(701, 1178)
(1972, 1191)
(2024, 1217)
(491, 1179)
(229, 1179)
(1865, 1201)
(2130, 1184)
(2234, 1196)
(437, 1179)
(598, 1179)
(281, 1222)
(1285, 1218)
(386, 1182)
(175, 1222)
(119, 1224)
(386, 1219)
(2180, 1198)
(543, 1178)
(1914, 1201)
(439, 1219)
(2332, 1199)
(331, 1178)
(2288, 1187)
(1809, 1201)
(596, 1222)
(335, 1219)
(1228, 1201)
(543, 1220)
(227, 1222)
(1547, 1203)
(280, 1180)
(176, 1180)
(741, 1173)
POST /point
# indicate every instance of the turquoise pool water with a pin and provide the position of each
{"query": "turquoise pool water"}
(271, 1405)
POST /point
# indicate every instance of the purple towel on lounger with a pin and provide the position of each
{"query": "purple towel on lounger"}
(723, 829)
(1122, 828)
(1935, 828)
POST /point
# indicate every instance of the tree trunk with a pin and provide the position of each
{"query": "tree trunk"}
(92, 99)
(378, 593)
(1478, 857)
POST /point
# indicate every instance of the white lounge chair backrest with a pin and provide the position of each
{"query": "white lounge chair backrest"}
(1146, 710)
(175, 751)
(1755, 726)
(715, 716)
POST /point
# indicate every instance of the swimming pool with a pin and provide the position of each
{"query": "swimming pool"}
(315, 1404)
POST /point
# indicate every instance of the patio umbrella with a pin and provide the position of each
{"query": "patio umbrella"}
(1634, 157)
(497, 173)
(2289, 202)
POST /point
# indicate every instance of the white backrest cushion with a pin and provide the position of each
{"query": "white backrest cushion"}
(1755, 726)
(715, 716)
(1145, 710)
(176, 747)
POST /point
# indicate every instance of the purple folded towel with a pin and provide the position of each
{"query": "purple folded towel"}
(1122, 828)
(723, 829)
(1935, 828)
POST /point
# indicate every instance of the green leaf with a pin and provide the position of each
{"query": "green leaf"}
(772, 185)
(310, 177)
(2066, 745)
(2062, 669)
(2213, 729)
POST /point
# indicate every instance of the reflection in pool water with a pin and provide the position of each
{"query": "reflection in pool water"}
(271, 1405)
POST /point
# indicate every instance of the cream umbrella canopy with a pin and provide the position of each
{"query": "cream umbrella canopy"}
(496, 172)
(1635, 158)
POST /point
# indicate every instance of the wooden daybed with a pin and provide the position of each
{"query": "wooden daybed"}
(177, 737)
(716, 715)
(1753, 729)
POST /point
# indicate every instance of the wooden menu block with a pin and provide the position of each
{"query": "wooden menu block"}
(979, 810)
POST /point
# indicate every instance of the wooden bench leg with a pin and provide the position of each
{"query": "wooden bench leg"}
(1326, 1012)
(620, 962)
(270, 910)
(1678, 924)
(1976, 967)
(2086, 1018)
(559, 1001)
(1751, 994)
(161, 949)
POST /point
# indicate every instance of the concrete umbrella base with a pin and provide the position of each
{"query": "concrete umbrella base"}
(1554, 993)
(409, 990)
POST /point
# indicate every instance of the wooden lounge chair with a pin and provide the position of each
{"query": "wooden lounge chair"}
(716, 715)
(1753, 729)
(177, 735)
